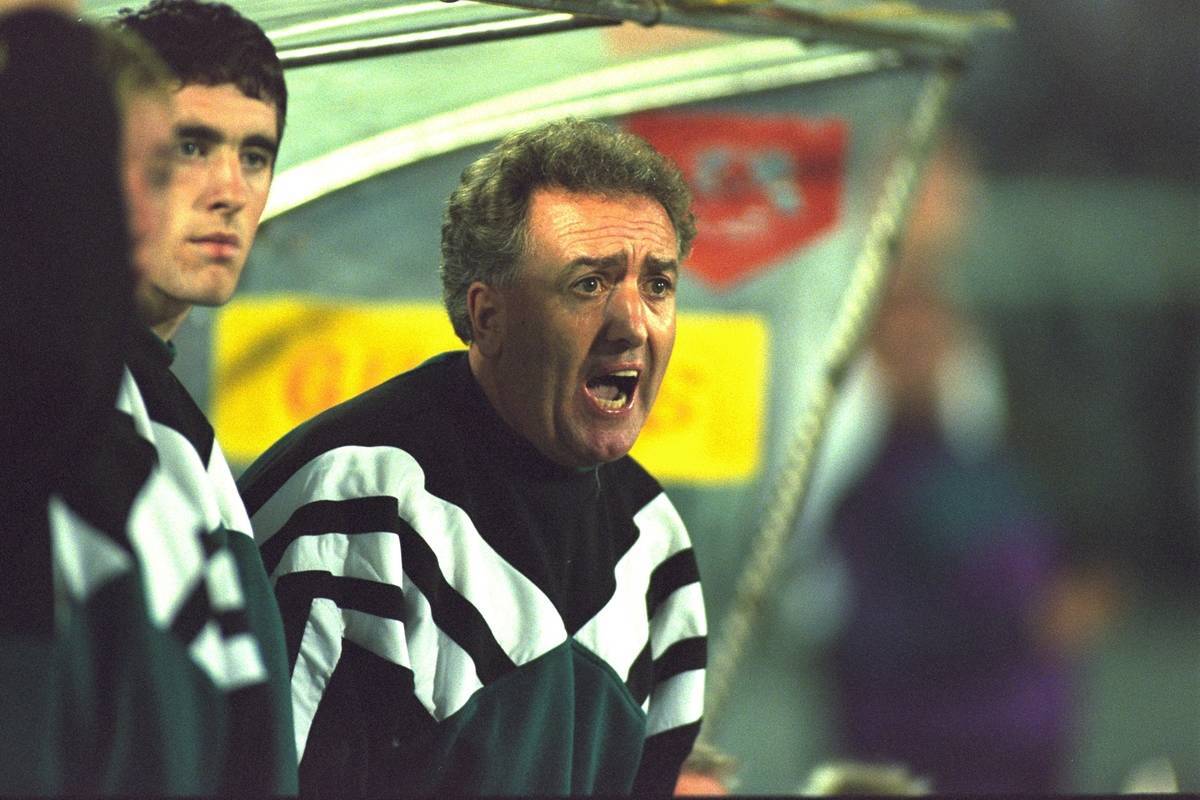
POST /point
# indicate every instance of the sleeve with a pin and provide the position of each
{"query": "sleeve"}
(333, 555)
(679, 649)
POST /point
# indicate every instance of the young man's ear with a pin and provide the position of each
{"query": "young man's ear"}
(485, 308)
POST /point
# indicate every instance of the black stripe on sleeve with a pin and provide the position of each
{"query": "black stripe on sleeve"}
(677, 571)
(193, 614)
(662, 758)
(684, 655)
(358, 515)
(296, 591)
(641, 676)
(452, 613)
(233, 622)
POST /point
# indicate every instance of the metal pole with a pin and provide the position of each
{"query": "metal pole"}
(933, 42)
(493, 30)
(860, 302)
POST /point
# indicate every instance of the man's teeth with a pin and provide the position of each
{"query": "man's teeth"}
(614, 404)
(611, 395)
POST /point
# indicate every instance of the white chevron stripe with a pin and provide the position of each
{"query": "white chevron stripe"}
(224, 589)
(619, 631)
(677, 701)
(229, 501)
(129, 400)
(179, 502)
(84, 558)
(162, 527)
(320, 649)
(523, 620)
(375, 557)
(231, 663)
(179, 458)
(681, 616)
(445, 677)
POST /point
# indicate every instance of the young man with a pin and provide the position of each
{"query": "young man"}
(482, 593)
(134, 659)
(205, 581)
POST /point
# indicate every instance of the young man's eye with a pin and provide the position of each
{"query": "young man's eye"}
(256, 160)
(190, 149)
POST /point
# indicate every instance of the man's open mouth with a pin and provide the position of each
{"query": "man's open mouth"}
(614, 391)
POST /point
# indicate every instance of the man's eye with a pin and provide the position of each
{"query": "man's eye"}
(659, 286)
(588, 285)
(189, 149)
(256, 160)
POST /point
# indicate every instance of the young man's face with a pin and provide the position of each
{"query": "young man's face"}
(147, 159)
(589, 324)
(226, 144)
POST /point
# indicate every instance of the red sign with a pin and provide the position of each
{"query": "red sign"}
(764, 186)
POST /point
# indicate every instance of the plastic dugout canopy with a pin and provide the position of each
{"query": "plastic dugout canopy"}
(801, 126)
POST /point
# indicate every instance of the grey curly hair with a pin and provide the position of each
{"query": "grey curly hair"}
(484, 227)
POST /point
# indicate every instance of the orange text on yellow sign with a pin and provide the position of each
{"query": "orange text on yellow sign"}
(281, 360)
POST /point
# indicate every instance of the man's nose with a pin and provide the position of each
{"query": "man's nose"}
(627, 315)
(227, 183)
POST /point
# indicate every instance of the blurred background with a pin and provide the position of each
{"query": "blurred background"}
(996, 581)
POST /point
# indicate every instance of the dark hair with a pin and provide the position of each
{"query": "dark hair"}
(131, 67)
(483, 231)
(210, 44)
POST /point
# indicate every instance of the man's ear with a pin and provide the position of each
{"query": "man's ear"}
(485, 308)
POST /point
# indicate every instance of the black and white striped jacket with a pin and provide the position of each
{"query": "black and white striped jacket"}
(463, 615)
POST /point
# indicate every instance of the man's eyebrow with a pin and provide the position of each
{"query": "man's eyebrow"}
(199, 132)
(207, 134)
(596, 262)
(262, 142)
(663, 264)
(652, 264)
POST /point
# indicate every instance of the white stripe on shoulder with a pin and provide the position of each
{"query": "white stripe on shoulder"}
(84, 558)
(444, 675)
(681, 616)
(520, 616)
(163, 527)
(230, 663)
(224, 586)
(177, 456)
(620, 630)
(229, 501)
(320, 649)
(375, 557)
(129, 400)
(676, 701)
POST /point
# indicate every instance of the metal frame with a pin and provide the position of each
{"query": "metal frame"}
(435, 37)
(920, 36)
(917, 35)
(715, 72)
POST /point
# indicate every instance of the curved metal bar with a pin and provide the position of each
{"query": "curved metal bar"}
(926, 42)
(332, 52)
(859, 305)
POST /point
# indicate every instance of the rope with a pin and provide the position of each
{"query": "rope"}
(860, 302)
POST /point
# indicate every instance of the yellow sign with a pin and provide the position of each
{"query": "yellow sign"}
(281, 360)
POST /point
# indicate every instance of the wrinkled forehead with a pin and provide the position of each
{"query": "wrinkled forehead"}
(587, 225)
